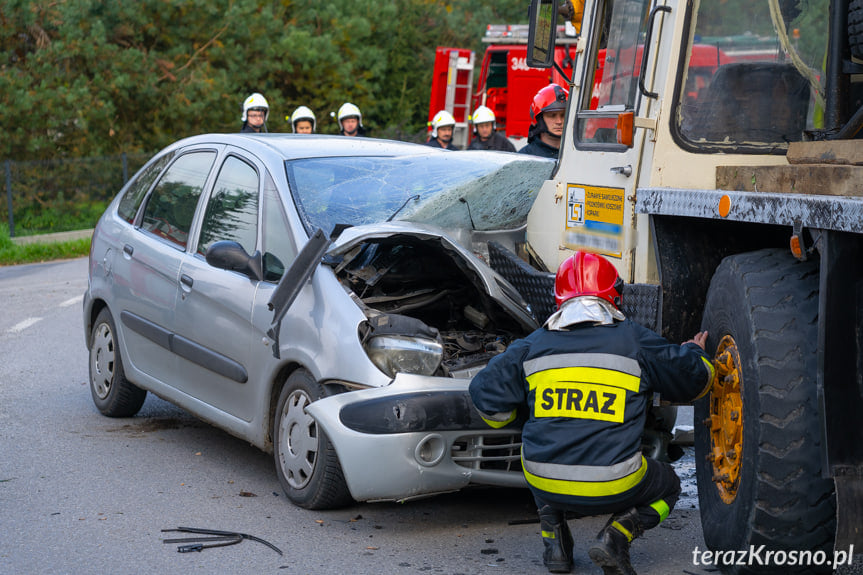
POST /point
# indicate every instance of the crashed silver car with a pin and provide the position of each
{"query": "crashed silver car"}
(324, 298)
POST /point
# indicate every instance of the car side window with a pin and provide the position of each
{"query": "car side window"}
(139, 187)
(279, 249)
(171, 207)
(232, 212)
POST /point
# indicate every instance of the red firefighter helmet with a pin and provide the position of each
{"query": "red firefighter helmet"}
(584, 273)
(548, 99)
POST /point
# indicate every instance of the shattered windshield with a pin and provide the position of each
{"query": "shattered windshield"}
(470, 190)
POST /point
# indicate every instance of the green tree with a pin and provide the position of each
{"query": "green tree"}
(84, 77)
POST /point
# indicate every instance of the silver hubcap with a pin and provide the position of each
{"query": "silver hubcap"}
(102, 360)
(298, 441)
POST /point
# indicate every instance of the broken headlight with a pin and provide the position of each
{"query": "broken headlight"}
(404, 354)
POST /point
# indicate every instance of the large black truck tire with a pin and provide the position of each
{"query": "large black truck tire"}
(855, 28)
(757, 433)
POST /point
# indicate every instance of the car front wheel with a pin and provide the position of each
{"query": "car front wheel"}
(306, 463)
(113, 394)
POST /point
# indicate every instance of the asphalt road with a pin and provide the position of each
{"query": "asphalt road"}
(82, 493)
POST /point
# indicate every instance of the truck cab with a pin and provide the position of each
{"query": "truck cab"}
(710, 150)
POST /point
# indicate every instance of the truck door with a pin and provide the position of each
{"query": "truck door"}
(589, 204)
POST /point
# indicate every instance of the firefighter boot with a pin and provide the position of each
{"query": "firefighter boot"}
(557, 540)
(611, 550)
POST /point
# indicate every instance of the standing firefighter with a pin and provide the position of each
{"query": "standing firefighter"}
(547, 116)
(256, 110)
(586, 378)
(484, 129)
(442, 126)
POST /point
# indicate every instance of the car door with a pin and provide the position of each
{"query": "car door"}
(594, 188)
(147, 273)
(222, 351)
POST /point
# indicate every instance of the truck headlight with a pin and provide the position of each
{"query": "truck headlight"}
(404, 354)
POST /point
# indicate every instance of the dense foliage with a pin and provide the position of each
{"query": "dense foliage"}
(86, 77)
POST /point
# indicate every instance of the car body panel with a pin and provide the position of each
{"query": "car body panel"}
(200, 337)
(363, 455)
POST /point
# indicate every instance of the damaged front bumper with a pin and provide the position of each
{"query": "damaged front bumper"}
(416, 437)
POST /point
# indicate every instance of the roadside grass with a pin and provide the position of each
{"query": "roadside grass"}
(13, 254)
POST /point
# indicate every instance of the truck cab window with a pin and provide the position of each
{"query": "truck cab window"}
(616, 60)
(752, 80)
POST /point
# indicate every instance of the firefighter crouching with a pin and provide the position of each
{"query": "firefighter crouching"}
(586, 378)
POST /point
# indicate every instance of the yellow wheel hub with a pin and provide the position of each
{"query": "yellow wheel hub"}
(726, 420)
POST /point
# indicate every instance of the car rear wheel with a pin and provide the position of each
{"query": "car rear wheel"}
(306, 463)
(113, 394)
(757, 439)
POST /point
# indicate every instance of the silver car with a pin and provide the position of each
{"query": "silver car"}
(324, 298)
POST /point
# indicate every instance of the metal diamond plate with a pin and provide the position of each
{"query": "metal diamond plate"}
(842, 213)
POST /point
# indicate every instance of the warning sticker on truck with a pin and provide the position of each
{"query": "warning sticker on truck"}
(594, 219)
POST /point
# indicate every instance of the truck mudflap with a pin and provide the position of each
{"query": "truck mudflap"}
(841, 213)
(642, 303)
(417, 437)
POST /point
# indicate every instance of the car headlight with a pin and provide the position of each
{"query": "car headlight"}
(404, 354)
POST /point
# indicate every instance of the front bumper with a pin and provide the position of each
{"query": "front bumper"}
(418, 436)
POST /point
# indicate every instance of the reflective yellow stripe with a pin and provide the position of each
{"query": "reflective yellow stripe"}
(661, 507)
(585, 375)
(712, 373)
(587, 488)
(623, 530)
(495, 424)
(580, 401)
(548, 534)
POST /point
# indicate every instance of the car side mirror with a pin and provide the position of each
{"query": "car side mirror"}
(229, 255)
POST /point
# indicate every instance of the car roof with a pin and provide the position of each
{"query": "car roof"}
(290, 146)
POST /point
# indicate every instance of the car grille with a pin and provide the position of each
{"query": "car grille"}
(500, 452)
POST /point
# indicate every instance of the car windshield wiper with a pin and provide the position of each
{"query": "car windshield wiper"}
(401, 207)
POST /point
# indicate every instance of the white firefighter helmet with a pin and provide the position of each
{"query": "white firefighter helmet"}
(482, 115)
(348, 110)
(440, 120)
(303, 113)
(256, 102)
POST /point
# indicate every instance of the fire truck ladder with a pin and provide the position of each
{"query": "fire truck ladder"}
(459, 89)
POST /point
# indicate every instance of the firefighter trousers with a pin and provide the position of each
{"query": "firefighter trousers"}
(654, 497)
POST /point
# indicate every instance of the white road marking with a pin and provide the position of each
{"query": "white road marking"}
(72, 301)
(22, 325)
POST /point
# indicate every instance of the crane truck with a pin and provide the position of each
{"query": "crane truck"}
(735, 191)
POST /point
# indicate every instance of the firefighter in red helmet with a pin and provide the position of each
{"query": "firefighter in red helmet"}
(547, 114)
(582, 385)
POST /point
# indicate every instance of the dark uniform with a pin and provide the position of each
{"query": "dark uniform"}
(587, 388)
(539, 148)
(435, 143)
(497, 141)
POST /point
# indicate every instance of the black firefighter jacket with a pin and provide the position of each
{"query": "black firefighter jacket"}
(587, 390)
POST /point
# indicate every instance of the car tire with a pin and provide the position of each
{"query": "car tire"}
(113, 394)
(306, 462)
(757, 438)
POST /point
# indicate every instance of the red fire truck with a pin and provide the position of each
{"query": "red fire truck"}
(506, 84)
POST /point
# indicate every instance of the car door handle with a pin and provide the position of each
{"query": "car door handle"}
(128, 250)
(186, 280)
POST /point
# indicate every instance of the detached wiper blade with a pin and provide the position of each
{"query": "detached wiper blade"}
(221, 537)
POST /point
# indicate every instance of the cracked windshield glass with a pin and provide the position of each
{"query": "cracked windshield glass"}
(471, 190)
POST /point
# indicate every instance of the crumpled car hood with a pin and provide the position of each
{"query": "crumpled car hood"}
(491, 282)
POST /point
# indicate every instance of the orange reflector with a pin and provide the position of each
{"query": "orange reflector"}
(625, 123)
(796, 247)
(724, 206)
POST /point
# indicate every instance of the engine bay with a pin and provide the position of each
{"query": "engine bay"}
(412, 286)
